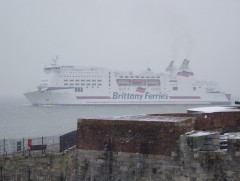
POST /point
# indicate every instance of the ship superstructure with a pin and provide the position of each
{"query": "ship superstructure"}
(70, 85)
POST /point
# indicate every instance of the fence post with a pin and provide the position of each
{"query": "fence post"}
(29, 174)
(4, 148)
(42, 145)
(62, 178)
(1, 172)
(23, 148)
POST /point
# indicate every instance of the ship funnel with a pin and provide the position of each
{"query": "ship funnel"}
(184, 69)
(170, 67)
(184, 65)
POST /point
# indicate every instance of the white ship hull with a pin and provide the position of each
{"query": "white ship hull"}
(68, 85)
(53, 98)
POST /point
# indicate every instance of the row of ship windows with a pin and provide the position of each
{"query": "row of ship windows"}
(205, 84)
(80, 76)
(81, 72)
(138, 82)
(176, 88)
(78, 89)
(127, 88)
(93, 84)
(71, 80)
(210, 90)
(139, 77)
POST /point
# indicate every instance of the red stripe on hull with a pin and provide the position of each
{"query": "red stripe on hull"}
(185, 97)
(93, 97)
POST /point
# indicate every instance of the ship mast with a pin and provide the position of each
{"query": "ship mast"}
(54, 61)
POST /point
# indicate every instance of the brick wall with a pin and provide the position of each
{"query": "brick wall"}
(221, 121)
(146, 137)
(224, 120)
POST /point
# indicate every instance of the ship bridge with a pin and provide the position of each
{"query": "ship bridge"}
(52, 67)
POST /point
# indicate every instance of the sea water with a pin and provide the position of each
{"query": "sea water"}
(19, 119)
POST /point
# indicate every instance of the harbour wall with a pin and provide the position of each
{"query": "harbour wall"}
(186, 165)
(115, 149)
(185, 147)
(39, 167)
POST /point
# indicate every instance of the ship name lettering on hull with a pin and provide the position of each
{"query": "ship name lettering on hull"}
(147, 95)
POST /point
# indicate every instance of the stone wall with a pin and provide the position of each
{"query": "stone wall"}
(39, 168)
(158, 147)
(111, 149)
(197, 159)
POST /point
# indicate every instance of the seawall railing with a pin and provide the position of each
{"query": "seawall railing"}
(38, 145)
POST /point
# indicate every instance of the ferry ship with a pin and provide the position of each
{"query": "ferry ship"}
(70, 85)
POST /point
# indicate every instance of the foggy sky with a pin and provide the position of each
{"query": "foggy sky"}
(119, 34)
